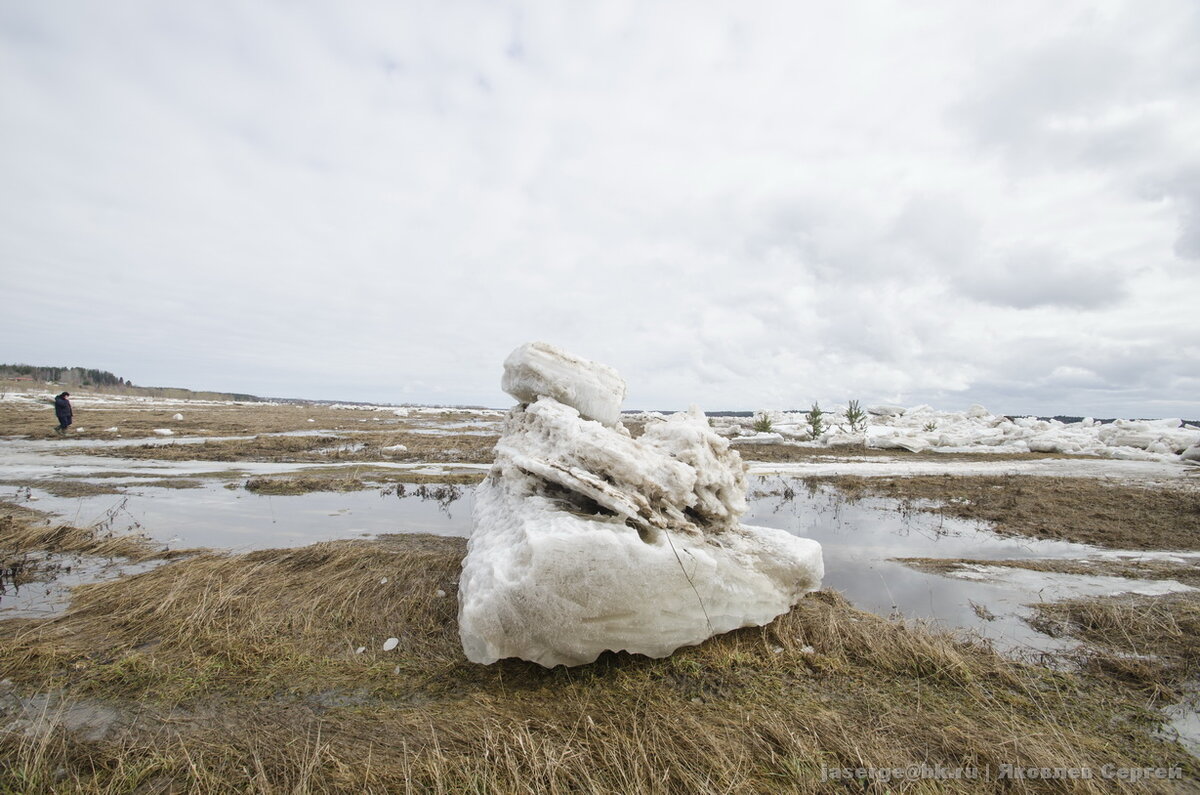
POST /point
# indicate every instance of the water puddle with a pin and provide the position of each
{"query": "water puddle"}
(859, 539)
(233, 518)
(41, 585)
(26, 461)
(1183, 722)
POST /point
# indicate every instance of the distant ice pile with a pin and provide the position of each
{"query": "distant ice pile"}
(586, 539)
(978, 430)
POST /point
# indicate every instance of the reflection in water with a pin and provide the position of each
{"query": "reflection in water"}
(444, 494)
(859, 539)
(216, 516)
(40, 584)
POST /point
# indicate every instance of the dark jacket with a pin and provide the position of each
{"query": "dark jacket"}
(62, 409)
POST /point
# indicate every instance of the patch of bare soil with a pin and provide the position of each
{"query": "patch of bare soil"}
(1085, 510)
(244, 672)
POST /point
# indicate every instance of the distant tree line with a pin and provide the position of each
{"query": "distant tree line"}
(74, 376)
(83, 376)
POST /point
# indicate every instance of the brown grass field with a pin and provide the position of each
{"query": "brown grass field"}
(220, 672)
(224, 673)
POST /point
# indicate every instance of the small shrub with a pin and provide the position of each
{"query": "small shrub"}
(816, 420)
(930, 426)
(855, 416)
(762, 423)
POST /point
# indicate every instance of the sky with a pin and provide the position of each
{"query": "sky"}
(750, 207)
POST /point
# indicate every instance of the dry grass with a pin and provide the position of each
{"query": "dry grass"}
(359, 446)
(167, 483)
(72, 486)
(23, 531)
(35, 549)
(784, 453)
(1150, 642)
(37, 421)
(66, 487)
(302, 484)
(1085, 510)
(239, 673)
(357, 479)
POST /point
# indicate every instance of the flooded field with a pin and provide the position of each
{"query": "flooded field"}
(864, 540)
(904, 537)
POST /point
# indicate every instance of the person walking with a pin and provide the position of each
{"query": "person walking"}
(62, 410)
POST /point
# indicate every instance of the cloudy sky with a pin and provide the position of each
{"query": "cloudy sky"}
(752, 207)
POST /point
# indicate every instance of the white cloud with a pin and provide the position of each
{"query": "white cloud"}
(935, 202)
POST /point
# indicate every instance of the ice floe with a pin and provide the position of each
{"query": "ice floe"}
(922, 428)
(586, 539)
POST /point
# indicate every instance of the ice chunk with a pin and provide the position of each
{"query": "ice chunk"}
(886, 411)
(164, 431)
(910, 443)
(587, 540)
(759, 438)
(537, 369)
(1191, 454)
(177, 417)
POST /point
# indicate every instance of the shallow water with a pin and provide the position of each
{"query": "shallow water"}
(27, 461)
(42, 599)
(1183, 722)
(216, 516)
(858, 539)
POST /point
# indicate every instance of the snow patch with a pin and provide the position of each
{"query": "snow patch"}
(923, 428)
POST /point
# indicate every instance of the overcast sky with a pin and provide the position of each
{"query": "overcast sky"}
(752, 207)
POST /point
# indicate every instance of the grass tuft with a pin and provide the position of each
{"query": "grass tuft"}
(241, 672)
